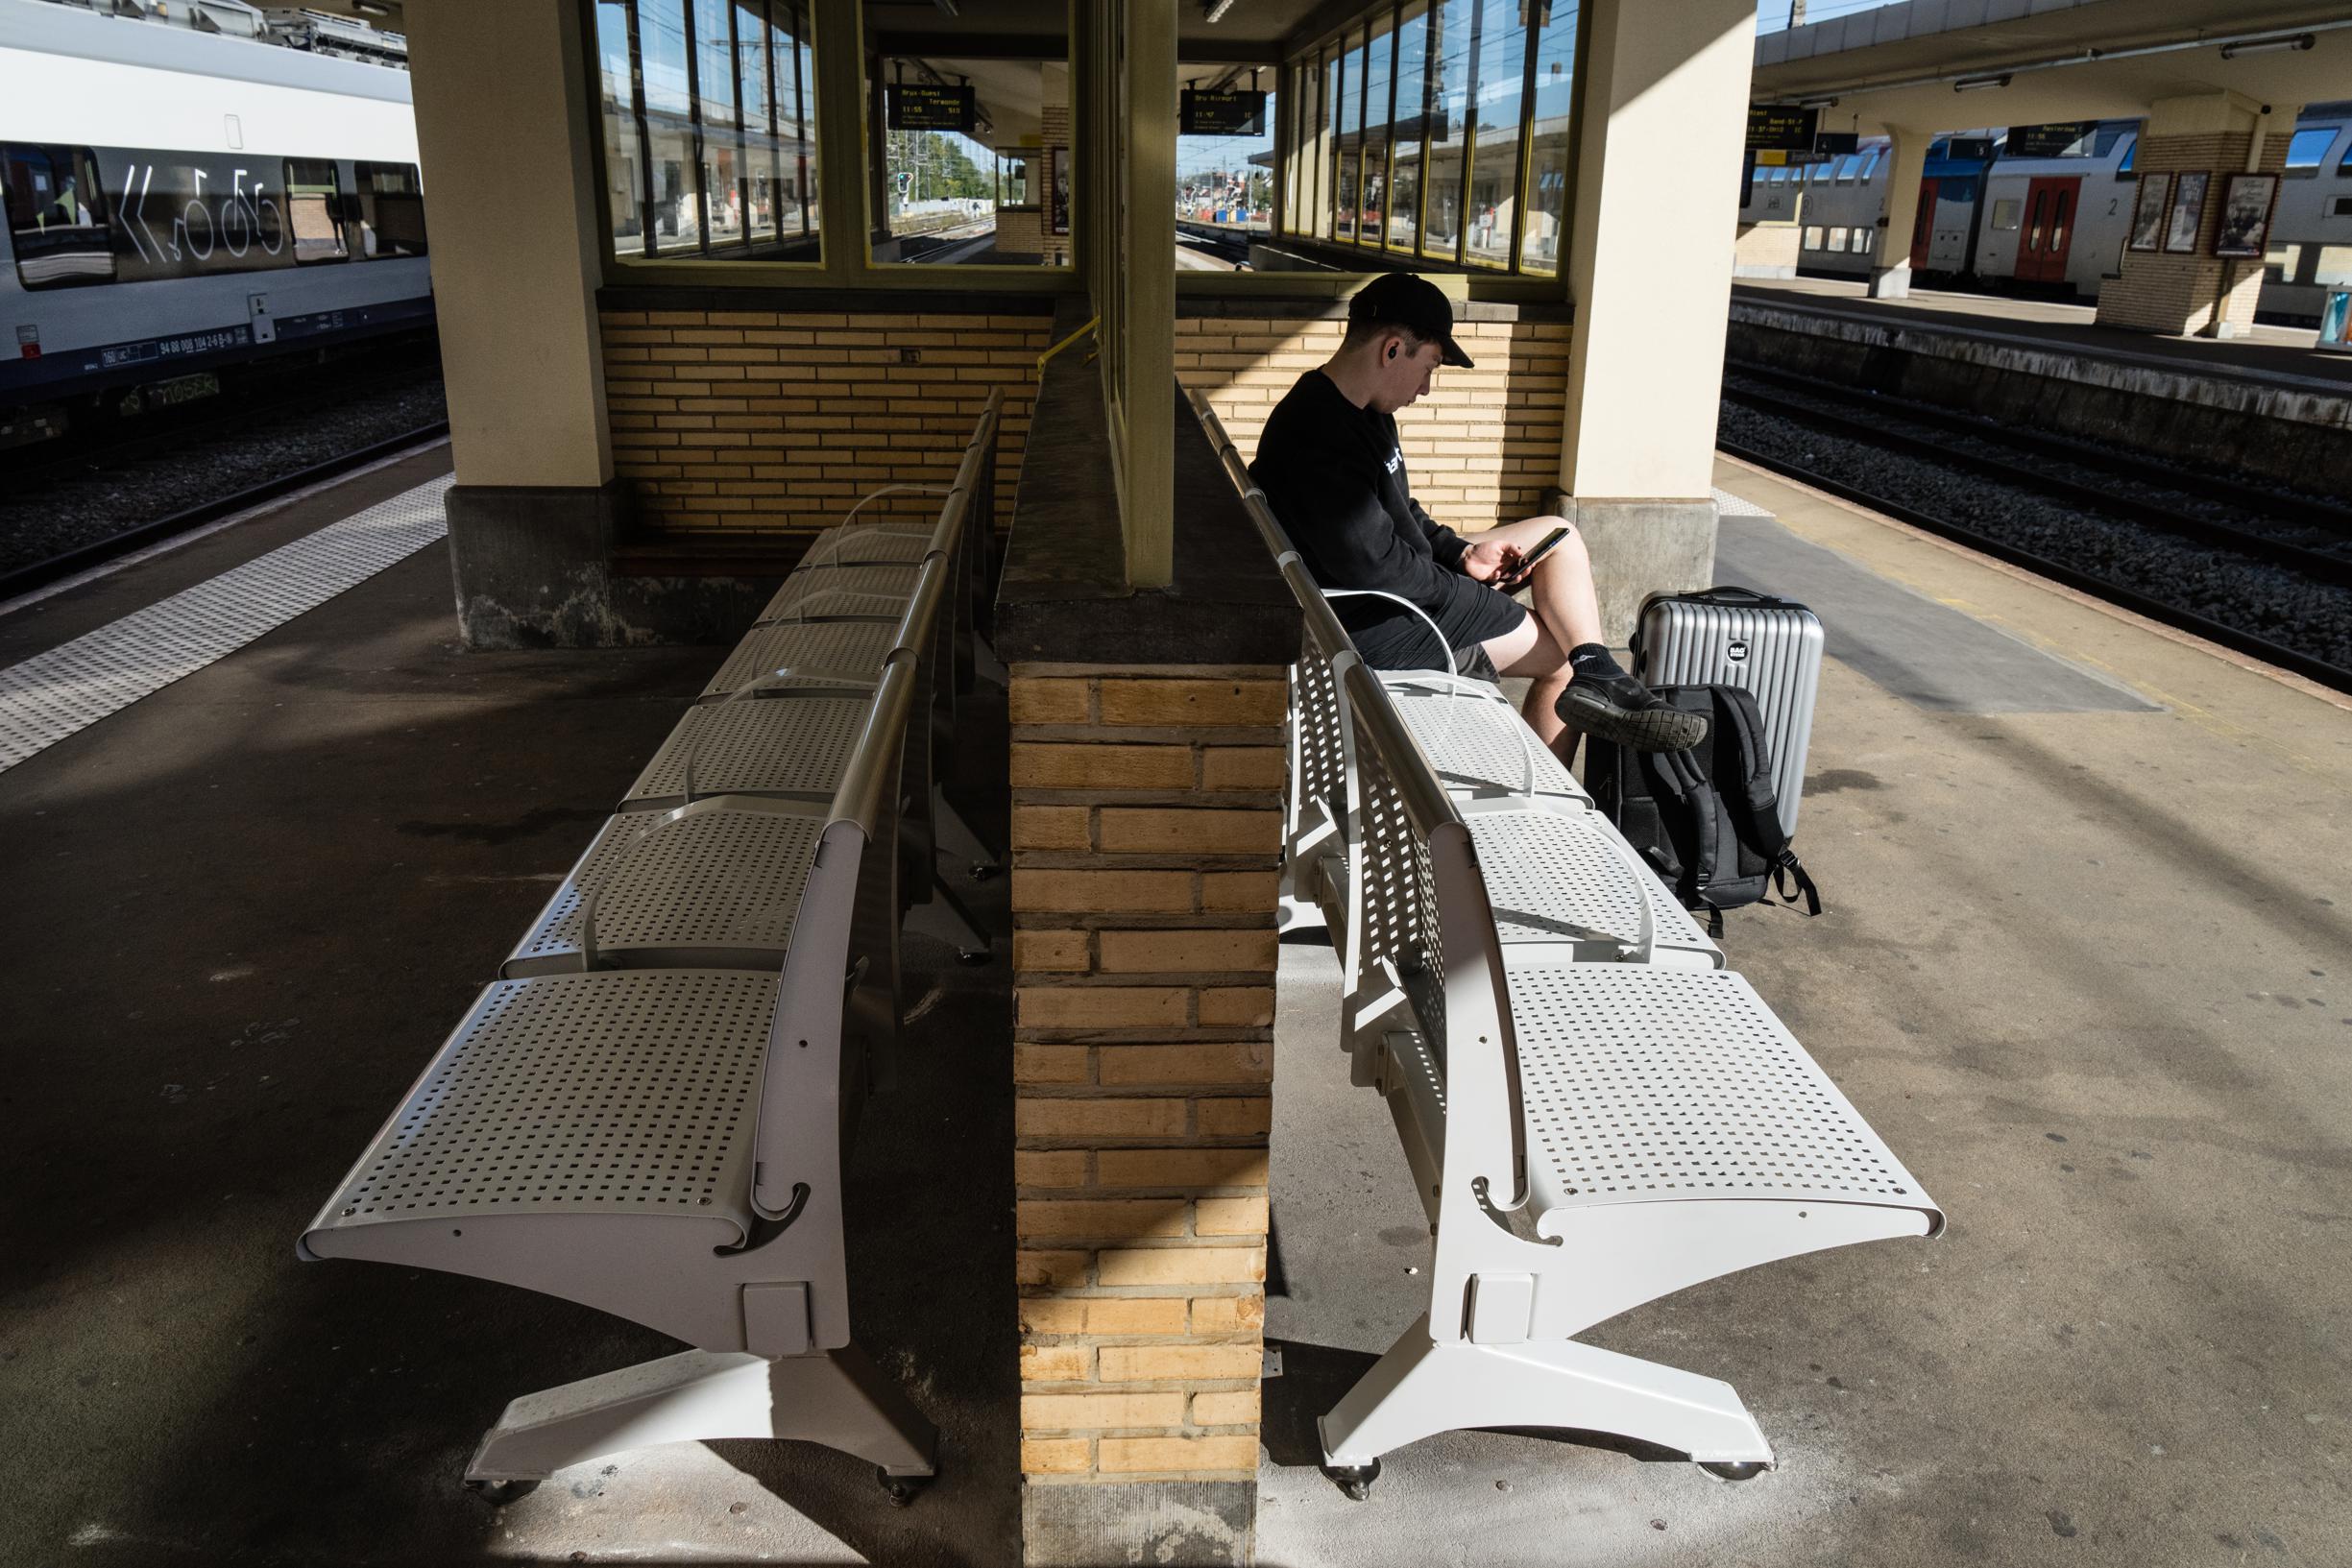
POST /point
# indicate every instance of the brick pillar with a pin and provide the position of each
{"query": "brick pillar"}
(1146, 820)
(2194, 292)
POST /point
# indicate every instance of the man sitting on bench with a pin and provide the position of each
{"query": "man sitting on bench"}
(1332, 469)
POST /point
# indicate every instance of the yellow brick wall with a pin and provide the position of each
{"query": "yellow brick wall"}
(781, 420)
(2163, 292)
(1147, 820)
(1480, 448)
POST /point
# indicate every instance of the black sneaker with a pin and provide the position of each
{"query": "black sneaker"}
(1618, 708)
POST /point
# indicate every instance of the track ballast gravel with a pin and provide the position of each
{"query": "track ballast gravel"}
(2254, 596)
(100, 500)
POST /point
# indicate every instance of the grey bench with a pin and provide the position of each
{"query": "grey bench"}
(646, 1113)
(1595, 1111)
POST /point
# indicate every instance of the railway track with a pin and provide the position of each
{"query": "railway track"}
(2309, 540)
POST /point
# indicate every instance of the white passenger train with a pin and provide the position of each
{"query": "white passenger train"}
(192, 185)
(2054, 225)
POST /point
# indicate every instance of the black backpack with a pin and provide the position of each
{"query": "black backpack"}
(1707, 819)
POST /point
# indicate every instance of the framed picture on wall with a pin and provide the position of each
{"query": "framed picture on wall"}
(2147, 211)
(2187, 214)
(2244, 233)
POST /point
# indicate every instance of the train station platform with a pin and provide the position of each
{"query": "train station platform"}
(2082, 962)
(2268, 405)
(2287, 351)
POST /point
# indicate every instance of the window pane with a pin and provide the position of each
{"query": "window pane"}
(624, 165)
(391, 209)
(804, 68)
(1812, 238)
(1410, 127)
(1548, 176)
(1450, 87)
(57, 217)
(1379, 75)
(1848, 167)
(1496, 59)
(2307, 146)
(670, 161)
(314, 205)
(714, 98)
(1350, 151)
(1838, 238)
(1227, 180)
(941, 183)
(751, 56)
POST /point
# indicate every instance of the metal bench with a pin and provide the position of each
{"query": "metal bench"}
(1596, 1113)
(664, 1145)
(645, 1113)
(1585, 1137)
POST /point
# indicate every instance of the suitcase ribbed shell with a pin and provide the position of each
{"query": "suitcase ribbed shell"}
(1773, 650)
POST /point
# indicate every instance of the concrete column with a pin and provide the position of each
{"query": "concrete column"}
(1663, 114)
(516, 260)
(2212, 135)
(1890, 270)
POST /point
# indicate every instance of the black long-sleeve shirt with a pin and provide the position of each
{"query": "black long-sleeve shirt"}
(1335, 476)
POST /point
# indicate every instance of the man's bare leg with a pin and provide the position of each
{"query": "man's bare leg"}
(1566, 614)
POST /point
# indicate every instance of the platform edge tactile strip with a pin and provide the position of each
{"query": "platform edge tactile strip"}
(55, 694)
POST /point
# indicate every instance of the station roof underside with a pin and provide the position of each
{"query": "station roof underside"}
(2088, 59)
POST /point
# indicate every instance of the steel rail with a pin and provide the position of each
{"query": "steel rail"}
(40, 574)
(2320, 566)
(2288, 658)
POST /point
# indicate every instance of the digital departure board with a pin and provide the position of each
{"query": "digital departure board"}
(924, 106)
(2046, 140)
(1782, 127)
(1200, 113)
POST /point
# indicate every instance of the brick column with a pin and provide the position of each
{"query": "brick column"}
(2195, 292)
(1145, 821)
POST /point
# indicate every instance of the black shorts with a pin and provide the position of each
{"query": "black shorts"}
(1403, 640)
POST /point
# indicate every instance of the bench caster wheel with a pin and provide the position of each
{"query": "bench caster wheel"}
(499, 1493)
(1743, 1470)
(1355, 1479)
(903, 1490)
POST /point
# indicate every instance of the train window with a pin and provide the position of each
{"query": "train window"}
(1812, 238)
(2130, 152)
(1848, 167)
(2334, 268)
(56, 216)
(2307, 146)
(2004, 213)
(314, 203)
(2343, 206)
(1780, 174)
(391, 209)
(1862, 238)
(1838, 238)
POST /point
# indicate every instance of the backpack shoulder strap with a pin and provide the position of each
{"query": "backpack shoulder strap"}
(1754, 799)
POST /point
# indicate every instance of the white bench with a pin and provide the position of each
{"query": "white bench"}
(645, 1112)
(1595, 1112)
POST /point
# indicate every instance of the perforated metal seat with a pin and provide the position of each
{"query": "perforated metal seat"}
(863, 544)
(885, 582)
(1564, 880)
(821, 603)
(604, 1093)
(792, 744)
(810, 653)
(1475, 738)
(714, 884)
(1647, 1086)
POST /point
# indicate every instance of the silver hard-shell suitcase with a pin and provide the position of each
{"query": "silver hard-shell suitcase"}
(1728, 635)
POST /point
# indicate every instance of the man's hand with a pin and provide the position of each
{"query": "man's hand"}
(1491, 563)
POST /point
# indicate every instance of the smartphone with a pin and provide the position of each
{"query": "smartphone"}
(1527, 561)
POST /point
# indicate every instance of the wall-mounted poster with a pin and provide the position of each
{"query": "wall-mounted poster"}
(2188, 215)
(1057, 188)
(2148, 212)
(2244, 233)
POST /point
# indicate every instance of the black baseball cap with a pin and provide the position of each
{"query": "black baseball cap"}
(1405, 300)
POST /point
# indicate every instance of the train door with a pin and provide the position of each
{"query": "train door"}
(1923, 227)
(2049, 231)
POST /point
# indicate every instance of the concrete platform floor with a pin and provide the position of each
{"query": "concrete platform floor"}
(2279, 350)
(2087, 969)
(241, 915)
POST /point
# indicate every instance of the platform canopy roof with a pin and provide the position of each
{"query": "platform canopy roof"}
(1905, 65)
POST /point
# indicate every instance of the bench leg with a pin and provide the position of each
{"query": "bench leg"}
(1420, 1388)
(835, 1398)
